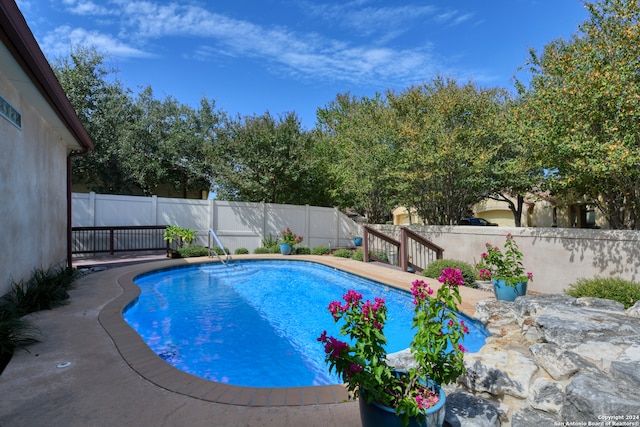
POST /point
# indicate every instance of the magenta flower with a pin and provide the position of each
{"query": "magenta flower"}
(484, 274)
(462, 348)
(530, 275)
(334, 309)
(451, 276)
(334, 347)
(352, 297)
(465, 328)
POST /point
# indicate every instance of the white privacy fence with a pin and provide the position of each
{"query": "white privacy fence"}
(237, 224)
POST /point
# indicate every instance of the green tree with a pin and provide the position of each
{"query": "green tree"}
(449, 133)
(166, 144)
(359, 148)
(141, 143)
(261, 158)
(104, 107)
(583, 110)
(515, 173)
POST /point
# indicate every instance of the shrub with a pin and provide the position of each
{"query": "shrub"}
(358, 255)
(343, 253)
(261, 251)
(304, 250)
(219, 251)
(193, 251)
(469, 272)
(382, 255)
(45, 290)
(613, 288)
(274, 249)
(241, 251)
(321, 250)
(270, 241)
(15, 332)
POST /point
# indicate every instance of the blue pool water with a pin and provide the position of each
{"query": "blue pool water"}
(255, 323)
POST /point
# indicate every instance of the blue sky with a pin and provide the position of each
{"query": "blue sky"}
(286, 55)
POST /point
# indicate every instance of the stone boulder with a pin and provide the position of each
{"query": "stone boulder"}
(558, 363)
(588, 396)
(555, 358)
(467, 410)
(499, 372)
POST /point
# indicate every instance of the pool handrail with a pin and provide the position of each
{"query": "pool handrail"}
(215, 237)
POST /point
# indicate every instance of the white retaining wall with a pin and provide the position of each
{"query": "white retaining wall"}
(557, 257)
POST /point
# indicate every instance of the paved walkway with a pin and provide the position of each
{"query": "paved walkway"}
(99, 387)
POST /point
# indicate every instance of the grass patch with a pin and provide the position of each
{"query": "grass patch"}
(613, 288)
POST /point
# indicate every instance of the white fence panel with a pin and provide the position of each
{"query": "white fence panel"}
(124, 210)
(237, 224)
(185, 213)
(82, 209)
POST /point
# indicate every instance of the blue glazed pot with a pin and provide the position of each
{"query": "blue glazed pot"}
(375, 415)
(285, 249)
(357, 241)
(504, 292)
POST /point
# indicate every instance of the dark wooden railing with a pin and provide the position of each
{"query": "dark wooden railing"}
(416, 251)
(86, 240)
(412, 251)
(379, 247)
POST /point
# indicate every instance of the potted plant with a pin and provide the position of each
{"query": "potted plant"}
(388, 396)
(288, 241)
(180, 235)
(357, 240)
(505, 270)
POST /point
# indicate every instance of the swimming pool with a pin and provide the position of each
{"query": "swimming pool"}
(255, 322)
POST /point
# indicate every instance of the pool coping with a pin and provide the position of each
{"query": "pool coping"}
(139, 356)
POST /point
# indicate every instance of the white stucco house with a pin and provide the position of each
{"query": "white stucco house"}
(39, 134)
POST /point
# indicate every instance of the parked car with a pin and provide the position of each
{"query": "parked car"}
(477, 221)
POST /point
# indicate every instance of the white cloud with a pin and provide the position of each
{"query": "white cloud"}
(62, 39)
(453, 17)
(303, 55)
(82, 7)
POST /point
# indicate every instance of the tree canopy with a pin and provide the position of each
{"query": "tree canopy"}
(583, 110)
(439, 147)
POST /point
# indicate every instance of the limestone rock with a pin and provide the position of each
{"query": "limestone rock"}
(402, 359)
(569, 328)
(499, 372)
(634, 310)
(628, 372)
(588, 397)
(631, 354)
(559, 364)
(534, 305)
(527, 417)
(488, 311)
(600, 304)
(466, 410)
(601, 353)
(546, 396)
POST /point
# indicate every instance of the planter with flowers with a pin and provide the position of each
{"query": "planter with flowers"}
(387, 396)
(288, 241)
(505, 270)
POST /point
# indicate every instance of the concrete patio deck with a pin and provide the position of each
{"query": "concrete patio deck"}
(110, 379)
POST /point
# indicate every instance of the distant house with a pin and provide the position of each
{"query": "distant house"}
(39, 134)
(538, 214)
